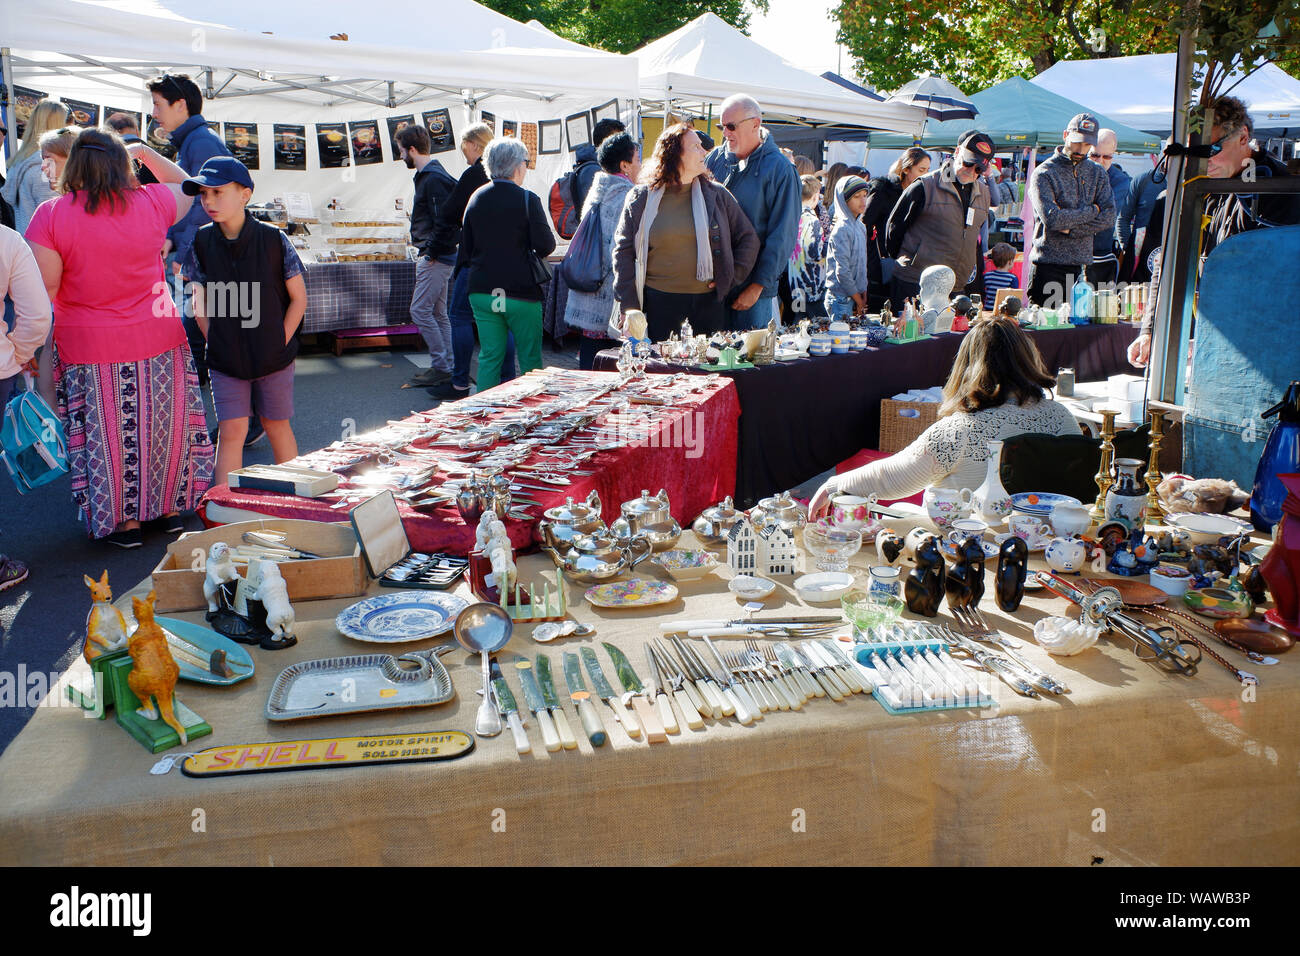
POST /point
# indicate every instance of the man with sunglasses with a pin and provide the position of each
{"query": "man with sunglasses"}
(1073, 202)
(1107, 245)
(937, 220)
(1231, 155)
(767, 188)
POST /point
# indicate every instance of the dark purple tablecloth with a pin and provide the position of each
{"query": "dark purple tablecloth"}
(799, 419)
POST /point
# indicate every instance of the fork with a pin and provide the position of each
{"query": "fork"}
(766, 695)
(760, 700)
(785, 698)
(977, 628)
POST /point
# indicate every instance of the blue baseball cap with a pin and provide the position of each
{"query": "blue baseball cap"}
(218, 171)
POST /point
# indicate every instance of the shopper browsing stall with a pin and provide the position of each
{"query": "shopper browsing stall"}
(846, 260)
(808, 265)
(883, 194)
(26, 185)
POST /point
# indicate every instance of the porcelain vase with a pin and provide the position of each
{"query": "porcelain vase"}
(1127, 498)
(991, 502)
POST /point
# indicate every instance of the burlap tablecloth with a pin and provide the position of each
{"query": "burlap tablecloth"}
(1134, 767)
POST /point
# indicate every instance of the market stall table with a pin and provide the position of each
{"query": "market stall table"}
(1135, 767)
(801, 418)
(691, 453)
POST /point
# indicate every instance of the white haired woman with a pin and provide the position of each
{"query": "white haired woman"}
(505, 226)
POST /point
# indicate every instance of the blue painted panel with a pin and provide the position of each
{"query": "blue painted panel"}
(1247, 351)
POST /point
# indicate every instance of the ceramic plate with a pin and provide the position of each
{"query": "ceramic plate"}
(399, 617)
(1040, 502)
(1217, 526)
(990, 549)
(753, 588)
(189, 641)
(637, 592)
(824, 586)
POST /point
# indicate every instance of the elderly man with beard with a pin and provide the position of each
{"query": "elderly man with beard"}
(437, 242)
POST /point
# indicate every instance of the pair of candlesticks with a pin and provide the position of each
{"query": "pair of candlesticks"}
(1105, 478)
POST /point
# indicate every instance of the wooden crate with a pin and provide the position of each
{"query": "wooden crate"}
(178, 578)
(901, 423)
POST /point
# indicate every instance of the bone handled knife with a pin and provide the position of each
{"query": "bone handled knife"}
(591, 724)
(505, 701)
(606, 693)
(627, 676)
(546, 681)
(537, 704)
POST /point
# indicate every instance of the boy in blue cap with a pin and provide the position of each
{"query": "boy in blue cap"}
(249, 300)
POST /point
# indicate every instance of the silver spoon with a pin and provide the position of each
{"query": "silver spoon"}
(484, 629)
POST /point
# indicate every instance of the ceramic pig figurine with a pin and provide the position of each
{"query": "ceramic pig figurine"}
(1066, 555)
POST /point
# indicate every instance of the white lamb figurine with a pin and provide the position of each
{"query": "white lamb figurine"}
(274, 595)
(220, 570)
(503, 569)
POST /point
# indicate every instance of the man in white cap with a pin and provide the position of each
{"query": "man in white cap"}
(1072, 203)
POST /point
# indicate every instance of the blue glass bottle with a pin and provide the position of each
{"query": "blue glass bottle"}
(1281, 456)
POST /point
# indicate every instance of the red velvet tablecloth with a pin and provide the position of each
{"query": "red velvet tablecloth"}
(692, 455)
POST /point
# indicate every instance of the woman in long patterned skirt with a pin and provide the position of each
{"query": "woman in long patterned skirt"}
(138, 446)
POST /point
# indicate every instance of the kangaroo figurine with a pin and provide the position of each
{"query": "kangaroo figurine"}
(155, 671)
(105, 626)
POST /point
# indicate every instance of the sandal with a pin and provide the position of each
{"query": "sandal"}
(12, 573)
(127, 539)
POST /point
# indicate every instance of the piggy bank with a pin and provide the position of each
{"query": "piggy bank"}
(1066, 555)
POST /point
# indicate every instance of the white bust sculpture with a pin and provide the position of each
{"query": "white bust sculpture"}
(936, 291)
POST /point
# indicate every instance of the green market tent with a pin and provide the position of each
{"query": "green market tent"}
(1017, 113)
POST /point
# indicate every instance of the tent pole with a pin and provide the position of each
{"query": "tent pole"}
(11, 120)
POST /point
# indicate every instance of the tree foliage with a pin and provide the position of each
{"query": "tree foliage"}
(622, 26)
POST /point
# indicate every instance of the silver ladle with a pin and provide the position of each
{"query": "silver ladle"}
(484, 629)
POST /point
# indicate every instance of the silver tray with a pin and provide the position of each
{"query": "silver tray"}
(321, 688)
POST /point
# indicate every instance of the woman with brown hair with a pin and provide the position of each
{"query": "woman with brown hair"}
(682, 240)
(997, 389)
(883, 193)
(138, 445)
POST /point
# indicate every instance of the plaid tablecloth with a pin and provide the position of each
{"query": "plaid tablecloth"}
(358, 295)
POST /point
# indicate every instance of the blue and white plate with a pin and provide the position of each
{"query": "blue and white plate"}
(399, 617)
(1040, 503)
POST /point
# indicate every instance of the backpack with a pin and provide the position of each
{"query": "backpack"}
(31, 442)
(582, 268)
(564, 203)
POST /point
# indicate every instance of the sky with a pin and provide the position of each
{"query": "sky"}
(800, 31)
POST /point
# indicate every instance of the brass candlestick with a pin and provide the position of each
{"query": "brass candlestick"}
(1104, 478)
(1154, 506)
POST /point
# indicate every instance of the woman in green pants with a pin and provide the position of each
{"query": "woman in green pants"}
(505, 225)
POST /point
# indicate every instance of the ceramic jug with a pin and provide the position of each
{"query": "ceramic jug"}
(990, 501)
(1070, 519)
(945, 505)
(1127, 498)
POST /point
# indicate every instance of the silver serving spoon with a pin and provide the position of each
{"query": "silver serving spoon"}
(484, 629)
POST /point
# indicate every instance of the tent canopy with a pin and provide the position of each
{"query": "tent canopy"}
(1139, 90)
(708, 60)
(1016, 113)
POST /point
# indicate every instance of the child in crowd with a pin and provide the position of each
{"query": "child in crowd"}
(249, 300)
(846, 263)
(809, 258)
(1001, 277)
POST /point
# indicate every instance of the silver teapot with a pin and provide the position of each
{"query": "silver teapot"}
(714, 523)
(560, 525)
(649, 516)
(482, 493)
(599, 557)
(780, 510)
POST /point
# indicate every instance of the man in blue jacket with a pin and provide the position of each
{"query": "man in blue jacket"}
(1108, 245)
(767, 187)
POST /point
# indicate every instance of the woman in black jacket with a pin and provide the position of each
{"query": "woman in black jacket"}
(505, 227)
(883, 193)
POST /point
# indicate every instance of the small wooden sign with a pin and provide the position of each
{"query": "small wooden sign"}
(328, 752)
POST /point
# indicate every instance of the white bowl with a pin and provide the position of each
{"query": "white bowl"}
(1207, 528)
(686, 565)
(751, 587)
(1175, 585)
(824, 586)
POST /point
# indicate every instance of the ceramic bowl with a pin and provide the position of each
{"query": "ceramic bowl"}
(868, 609)
(824, 586)
(751, 588)
(1207, 529)
(1172, 580)
(686, 565)
(1219, 602)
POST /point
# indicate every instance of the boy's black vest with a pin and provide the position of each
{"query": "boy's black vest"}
(246, 299)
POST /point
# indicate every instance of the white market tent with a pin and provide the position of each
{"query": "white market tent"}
(708, 60)
(265, 63)
(1139, 90)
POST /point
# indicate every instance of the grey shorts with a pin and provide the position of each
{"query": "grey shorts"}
(271, 395)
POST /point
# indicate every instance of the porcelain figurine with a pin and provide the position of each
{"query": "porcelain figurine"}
(924, 588)
(105, 626)
(1136, 556)
(960, 582)
(504, 574)
(1255, 585)
(889, 546)
(936, 289)
(219, 572)
(990, 501)
(1013, 566)
(154, 672)
(486, 531)
(1066, 555)
(274, 595)
(1063, 637)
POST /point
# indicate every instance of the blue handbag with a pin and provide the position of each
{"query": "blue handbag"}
(32, 445)
(582, 267)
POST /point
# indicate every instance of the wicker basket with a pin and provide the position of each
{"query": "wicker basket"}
(901, 423)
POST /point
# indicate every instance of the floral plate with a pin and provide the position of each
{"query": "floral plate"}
(1040, 502)
(636, 592)
(401, 616)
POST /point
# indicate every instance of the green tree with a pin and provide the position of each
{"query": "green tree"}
(622, 26)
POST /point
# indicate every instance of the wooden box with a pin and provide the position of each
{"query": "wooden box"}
(178, 578)
(901, 423)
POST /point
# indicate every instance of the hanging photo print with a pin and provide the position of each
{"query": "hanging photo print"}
(83, 113)
(111, 112)
(366, 150)
(290, 146)
(550, 137)
(604, 111)
(24, 102)
(489, 118)
(241, 140)
(332, 145)
(509, 128)
(215, 127)
(395, 125)
(159, 139)
(441, 135)
(528, 135)
(578, 127)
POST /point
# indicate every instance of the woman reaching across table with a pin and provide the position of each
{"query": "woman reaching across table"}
(997, 389)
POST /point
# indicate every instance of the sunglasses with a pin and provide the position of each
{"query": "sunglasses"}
(1217, 146)
(979, 165)
(168, 78)
(731, 127)
(1092, 155)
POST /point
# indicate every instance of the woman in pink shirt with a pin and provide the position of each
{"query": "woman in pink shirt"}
(138, 444)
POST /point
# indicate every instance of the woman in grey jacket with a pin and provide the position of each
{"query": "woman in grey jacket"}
(683, 241)
(590, 312)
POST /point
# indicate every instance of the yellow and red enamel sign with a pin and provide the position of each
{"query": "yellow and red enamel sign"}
(328, 752)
